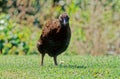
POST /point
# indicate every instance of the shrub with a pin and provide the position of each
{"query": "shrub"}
(15, 39)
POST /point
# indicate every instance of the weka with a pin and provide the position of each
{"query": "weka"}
(55, 37)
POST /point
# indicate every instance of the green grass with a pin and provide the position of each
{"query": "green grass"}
(74, 67)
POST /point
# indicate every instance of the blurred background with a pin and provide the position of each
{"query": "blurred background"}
(95, 25)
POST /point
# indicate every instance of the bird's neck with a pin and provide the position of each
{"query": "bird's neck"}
(64, 26)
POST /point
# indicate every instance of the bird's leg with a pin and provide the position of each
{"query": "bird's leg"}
(42, 59)
(55, 60)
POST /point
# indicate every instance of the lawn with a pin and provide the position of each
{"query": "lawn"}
(70, 67)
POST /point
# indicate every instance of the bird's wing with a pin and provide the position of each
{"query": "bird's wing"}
(50, 29)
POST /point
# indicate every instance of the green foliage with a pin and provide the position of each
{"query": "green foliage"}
(72, 8)
(15, 39)
(70, 67)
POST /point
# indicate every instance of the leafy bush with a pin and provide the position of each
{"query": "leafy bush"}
(15, 39)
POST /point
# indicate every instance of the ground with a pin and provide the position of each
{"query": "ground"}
(70, 67)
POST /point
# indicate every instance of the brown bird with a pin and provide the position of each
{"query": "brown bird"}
(55, 37)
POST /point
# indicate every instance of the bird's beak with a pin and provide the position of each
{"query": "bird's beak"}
(64, 22)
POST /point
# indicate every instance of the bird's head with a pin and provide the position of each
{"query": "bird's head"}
(64, 19)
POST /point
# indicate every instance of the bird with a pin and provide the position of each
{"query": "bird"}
(55, 37)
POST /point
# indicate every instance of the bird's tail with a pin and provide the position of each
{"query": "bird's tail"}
(39, 43)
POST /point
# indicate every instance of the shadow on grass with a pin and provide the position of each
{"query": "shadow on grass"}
(72, 66)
